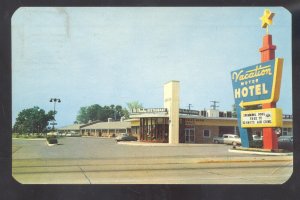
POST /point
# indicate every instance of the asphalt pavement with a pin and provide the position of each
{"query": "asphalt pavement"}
(101, 148)
(90, 160)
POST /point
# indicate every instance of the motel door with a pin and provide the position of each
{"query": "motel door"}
(189, 135)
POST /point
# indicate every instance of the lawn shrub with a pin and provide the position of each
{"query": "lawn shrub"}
(52, 140)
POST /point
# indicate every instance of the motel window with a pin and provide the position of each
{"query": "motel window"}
(206, 133)
(287, 131)
(236, 130)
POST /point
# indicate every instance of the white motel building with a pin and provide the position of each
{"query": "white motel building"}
(171, 124)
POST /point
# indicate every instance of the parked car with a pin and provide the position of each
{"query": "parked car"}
(218, 140)
(228, 139)
(73, 134)
(285, 138)
(125, 137)
(256, 137)
(232, 139)
(286, 142)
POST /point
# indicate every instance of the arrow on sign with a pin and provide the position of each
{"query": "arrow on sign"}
(242, 105)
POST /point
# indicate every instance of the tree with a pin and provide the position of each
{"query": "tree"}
(119, 112)
(102, 113)
(93, 112)
(32, 120)
(134, 105)
(82, 115)
(126, 113)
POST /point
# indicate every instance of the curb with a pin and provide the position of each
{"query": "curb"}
(28, 138)
(134, 143)
(246, 159)
(259, 152)
(93, 137)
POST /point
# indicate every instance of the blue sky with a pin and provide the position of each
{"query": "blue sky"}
(106, 56)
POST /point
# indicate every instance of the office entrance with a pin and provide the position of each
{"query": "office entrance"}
(189, 135)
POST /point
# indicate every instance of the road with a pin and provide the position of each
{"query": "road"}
(103, 161)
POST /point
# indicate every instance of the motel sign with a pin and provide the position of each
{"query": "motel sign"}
(255, 85)
(258, 83)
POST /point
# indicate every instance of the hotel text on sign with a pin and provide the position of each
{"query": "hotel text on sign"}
(259, 83)
(271, 117)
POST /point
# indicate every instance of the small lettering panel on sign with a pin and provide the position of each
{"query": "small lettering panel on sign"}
(261, 118)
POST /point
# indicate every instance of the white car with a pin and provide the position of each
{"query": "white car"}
(231, 139)
(73, 134)
(256, 137)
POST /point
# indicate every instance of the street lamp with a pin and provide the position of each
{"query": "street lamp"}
(54, 100)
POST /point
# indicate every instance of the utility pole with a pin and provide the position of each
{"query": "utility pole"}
(54, 100)
(214, 106)
(190, 105)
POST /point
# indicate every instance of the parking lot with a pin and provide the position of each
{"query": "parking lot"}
(91, 160)
(99, 148)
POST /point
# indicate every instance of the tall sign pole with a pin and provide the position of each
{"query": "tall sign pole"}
(268, 53)
(256, 85)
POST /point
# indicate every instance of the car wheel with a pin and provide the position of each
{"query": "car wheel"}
(216, 142)
(234, 143)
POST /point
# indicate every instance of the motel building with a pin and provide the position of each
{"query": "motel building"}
(173, 125)
(110, 128)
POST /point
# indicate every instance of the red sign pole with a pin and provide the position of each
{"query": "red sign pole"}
(268, 53)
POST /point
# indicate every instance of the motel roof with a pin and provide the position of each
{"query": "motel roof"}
(71, 127)
(109, 125)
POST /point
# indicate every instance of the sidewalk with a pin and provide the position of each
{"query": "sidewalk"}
(263, 156)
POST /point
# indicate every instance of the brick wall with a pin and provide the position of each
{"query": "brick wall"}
(199, 130)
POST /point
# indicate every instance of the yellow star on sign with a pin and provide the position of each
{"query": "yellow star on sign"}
(266, 19)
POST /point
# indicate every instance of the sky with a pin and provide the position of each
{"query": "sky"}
(111, 55)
